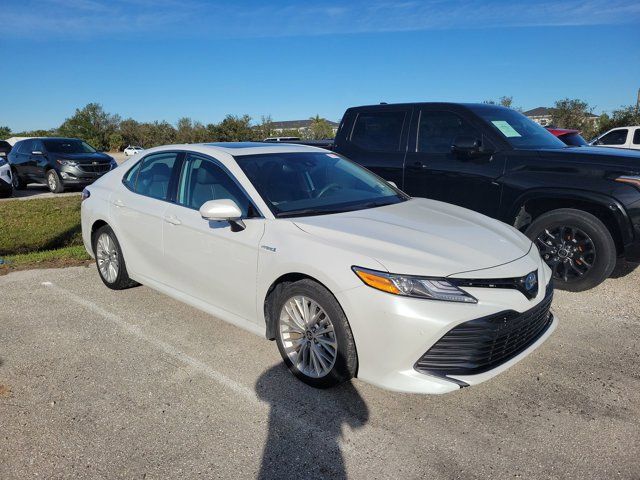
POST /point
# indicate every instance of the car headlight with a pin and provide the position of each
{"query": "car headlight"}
(67, 163)
(409, 286)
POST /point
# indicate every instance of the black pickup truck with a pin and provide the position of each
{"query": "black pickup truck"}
(581, 205)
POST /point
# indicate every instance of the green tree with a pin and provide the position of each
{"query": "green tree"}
(264, 129)
(319, 129)
(92, 124)
(234, 129)
(575, 114)
(622, 117)
(5, 132)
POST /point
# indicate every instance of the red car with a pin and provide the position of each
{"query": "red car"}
(570, 137)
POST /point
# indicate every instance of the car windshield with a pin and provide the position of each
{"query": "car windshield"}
(520, 131)
(315, 183)
(68, 146)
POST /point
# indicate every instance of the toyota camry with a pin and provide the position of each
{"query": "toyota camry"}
(349, 275)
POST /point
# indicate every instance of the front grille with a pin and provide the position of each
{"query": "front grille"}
(479, 345)
(98, 168)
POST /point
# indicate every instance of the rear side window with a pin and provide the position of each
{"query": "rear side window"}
(438, 130)
(132, 175)
(616, 137)
(155, 175)
(636, 137)
(378, 131)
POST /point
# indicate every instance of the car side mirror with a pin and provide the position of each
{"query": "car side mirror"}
(470, 146)
(223, 210)
(393, 184)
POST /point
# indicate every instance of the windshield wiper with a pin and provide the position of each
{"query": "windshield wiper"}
(311, 211)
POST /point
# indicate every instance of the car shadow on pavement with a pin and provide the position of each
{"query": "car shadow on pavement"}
(305, 426)
(623, 268)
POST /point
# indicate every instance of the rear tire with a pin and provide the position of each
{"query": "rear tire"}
(319, 351)
(576, 245)
(54, 182)
(110, 261)
(17, 182)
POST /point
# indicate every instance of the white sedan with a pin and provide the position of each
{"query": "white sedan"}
(133, 150)
(349, 275)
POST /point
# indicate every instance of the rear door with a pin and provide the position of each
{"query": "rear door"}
(377, 138)
(434, 171)
(138, 210)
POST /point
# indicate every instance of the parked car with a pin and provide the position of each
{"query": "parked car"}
(6, 189)
(58, 162)
(348, 274)
(625, 137)
(569, 137)
(580, 205)
(132, 150)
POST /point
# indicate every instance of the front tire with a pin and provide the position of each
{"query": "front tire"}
(313, 334)
(54, 182)
(109, 260)
(576, 245)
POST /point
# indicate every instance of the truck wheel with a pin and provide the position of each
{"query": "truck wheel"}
(576, 245)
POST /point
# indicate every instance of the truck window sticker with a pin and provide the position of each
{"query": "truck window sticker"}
(506, 129)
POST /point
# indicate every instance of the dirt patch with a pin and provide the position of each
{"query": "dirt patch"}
(5, 391)
(59, 263)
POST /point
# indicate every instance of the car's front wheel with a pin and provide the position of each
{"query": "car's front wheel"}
(313, 334)
(54, 183)
(576, 245)
(109, 260)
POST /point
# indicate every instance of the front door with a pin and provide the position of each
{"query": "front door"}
(434, 170)
(207, 259)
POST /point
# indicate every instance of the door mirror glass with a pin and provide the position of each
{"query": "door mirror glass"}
(220, 210)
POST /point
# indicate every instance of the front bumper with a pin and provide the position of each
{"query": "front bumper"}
(392, 333)
(82, 174)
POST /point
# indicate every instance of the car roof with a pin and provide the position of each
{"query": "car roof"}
(243, 148)
(451, 105)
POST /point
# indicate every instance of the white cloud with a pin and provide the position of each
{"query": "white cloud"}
(245, 19)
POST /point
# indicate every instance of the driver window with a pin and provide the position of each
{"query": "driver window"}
(438, 130)
(203, 180)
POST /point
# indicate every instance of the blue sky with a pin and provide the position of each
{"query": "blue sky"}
(164, 59)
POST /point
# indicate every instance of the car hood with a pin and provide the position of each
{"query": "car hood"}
(422, 237)
(84, 157)
(620, 159)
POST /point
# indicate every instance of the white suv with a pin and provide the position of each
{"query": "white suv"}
(624, 137)
(350, 276)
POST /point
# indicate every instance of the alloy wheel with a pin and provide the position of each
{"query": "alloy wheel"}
(107, 257)
(308, 336)
(569, 252)
(52, 181)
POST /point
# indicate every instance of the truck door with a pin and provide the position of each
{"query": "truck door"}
(434, 170)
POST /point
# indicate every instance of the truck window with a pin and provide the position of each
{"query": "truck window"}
(636, 137)
(378, 131)
(438, 130)
(615, 137)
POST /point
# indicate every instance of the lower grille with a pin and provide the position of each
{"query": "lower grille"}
(98, 168)
(479, 345)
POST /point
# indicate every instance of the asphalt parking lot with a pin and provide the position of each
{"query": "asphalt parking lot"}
(132, 384)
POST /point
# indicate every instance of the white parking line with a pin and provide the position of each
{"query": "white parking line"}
(345, 443)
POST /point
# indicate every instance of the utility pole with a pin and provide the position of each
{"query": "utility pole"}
(638, 102)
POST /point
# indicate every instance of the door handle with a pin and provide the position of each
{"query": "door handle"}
(172, 219)
(118, 203)
(418, 166)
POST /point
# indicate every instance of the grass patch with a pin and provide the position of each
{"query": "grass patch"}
(44, 224)
(62, 257)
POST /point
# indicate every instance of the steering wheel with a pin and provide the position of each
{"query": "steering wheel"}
(327, 188)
